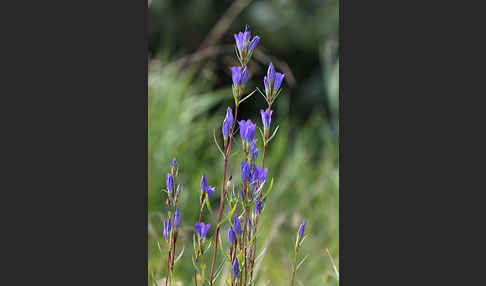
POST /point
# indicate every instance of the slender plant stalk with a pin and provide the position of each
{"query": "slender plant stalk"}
(200, 217)
(254, 250)
(256, 220)
(245, 248)
(295, 265)
(263, 155)
(168, 265)
(173, 257)
(245, 241)
(223, 194)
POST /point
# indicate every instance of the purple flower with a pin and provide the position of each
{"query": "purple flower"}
(262, 174)
(166, 230)
(247, 130)
(254, 174)
(302, 227)
(243, 43)
(239, 41)
(258, 206)
(253, 43)
(228, 122)
(231, 235)
(202, 229)
(247, 34)
(272, 81)
(239, 77)
(236, 225)
(205, 188)
(169, 182)
(174, 163)
(177, 218)
(204, 183)
(245, 171)
(266, 117)
(236, 268)
(210, 190)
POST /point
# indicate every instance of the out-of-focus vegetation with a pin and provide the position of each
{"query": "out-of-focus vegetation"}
(187, 100)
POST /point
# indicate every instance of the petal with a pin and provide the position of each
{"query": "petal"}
(253, 43)
(270, 72)
(239, 40)
(247, 34)
(278, 81)
(244, 76)
(242, 124)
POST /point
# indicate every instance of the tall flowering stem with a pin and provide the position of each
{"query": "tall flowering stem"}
(298, 242)
(272, 82)
(206, 192)
(173, 222)
(223, 193)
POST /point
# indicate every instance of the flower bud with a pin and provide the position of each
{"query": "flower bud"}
(236, 268)
(174, 167)
(169, 182)
(302, 227)
(228, 183)
(177, 218)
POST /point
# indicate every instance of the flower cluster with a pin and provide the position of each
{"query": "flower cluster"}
(244, 46)
(272, 82)
(202, 229)
(172, 224)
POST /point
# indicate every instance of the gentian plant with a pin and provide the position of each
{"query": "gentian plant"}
(172, 224)
(245, 202)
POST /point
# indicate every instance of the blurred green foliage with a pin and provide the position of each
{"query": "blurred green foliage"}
(186, 105)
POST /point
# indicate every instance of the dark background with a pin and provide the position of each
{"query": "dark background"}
(75, 111)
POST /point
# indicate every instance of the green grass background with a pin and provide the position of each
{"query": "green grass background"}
(186, 105)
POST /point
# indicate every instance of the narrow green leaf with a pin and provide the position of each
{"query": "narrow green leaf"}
(248, 96)
(195, 265)
(264, 96)
(209, 246)
(230, 214)
(180, 255)
(194, 244)
(261, 133)
(207, 204)
(218, 271)
(158, 245)
(300, 263)
(269, 189)
(274, 132)
(303, 238)
(216, 142)
(276, 95)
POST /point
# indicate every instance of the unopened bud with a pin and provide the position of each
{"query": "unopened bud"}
(228, 183)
